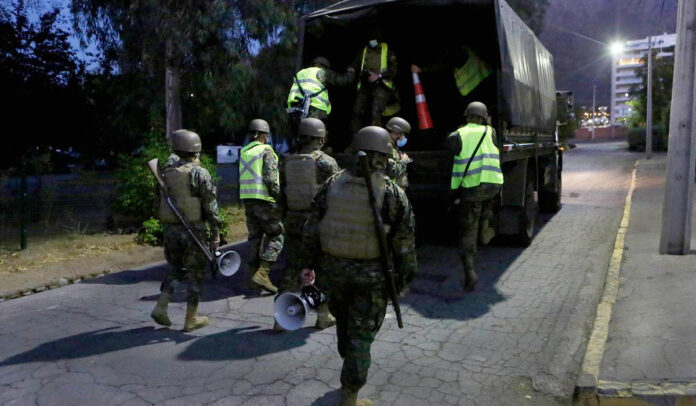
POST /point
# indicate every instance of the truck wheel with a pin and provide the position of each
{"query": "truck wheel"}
(527, 215)
(550, 202)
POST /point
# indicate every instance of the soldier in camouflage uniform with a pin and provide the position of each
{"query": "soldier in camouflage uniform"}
(375, 84)
(191, 186)
(312, 81)
(259, 188)
(341, 244)
(396, 167)
(481, 184)
(303, 174)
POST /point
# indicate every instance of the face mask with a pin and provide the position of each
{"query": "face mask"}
(401, 141)
(372, 43)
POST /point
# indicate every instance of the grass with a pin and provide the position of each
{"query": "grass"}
(236, 230)
(63, 248)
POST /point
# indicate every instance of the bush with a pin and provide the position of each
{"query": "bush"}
(636, 138)
(135, 192)
(151, 232)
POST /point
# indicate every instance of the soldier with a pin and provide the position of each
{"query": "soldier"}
(259, 187)
(474, 145)
(311, 82)
(396, 167)
(303, 174)
(194, 192)
(375, 84)
(341, 244)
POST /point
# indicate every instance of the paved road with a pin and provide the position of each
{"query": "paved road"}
(519, 339)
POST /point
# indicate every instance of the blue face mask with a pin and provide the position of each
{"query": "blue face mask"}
(372, 43)
(401, 141)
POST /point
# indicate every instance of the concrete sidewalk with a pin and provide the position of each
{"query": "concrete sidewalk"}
(649, 356)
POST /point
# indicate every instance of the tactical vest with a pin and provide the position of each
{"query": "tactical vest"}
(301, 180)
(469, 75)
(178, 182)
(382, 64)
(307, 83)
(485, 165)
(348, 227)
(251, 184)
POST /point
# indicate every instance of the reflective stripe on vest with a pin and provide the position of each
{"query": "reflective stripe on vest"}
(347, 229)
(251, 184)
(310, 84)
(178, 182)
(484, 167)
(382, 65)
(301, 180)
(471, 73)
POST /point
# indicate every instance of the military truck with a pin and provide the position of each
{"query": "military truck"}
(520, 95)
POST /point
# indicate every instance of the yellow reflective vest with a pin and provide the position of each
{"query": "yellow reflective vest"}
(382, 64)
(485, 165)
(307, 82)
(469, 75)
(251, 184)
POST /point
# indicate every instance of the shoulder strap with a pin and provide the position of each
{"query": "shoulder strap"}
(485, 131)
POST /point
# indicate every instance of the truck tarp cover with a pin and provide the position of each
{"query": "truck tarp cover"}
(423, 31)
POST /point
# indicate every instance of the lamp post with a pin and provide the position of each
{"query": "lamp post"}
(648, 119)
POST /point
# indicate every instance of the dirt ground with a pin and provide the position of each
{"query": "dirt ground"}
(48, 259)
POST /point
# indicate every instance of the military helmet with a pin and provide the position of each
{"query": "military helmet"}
(373, 138)
(259, 125)
(312, 127)
(320, 60)
(476, 109)
(398, 125)
(185, 141)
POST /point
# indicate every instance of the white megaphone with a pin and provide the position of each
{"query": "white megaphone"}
(227, 262)
(290, 310)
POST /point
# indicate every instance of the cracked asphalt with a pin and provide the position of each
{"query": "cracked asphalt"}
(519, 339)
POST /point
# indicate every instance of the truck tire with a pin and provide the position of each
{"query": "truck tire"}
(527, 215)
(550, 201)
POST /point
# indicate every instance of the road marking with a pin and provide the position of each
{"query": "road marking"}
(600, 329)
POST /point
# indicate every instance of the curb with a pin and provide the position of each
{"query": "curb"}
(55, 284)
(586, 388)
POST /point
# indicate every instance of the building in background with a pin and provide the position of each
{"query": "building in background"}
(623, 75)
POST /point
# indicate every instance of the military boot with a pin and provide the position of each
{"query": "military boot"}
(350, 398)
(261, 277)
(159, 313)
(324, 317)
(194, 322)
(470, 280)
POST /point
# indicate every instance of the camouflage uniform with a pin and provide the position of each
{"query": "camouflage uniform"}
(474, 205)
(263, 217)
(356, 288)
(372, 98)
(295, 220)
(186, 258)
(396, 169)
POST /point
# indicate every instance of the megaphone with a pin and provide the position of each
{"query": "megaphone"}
(227, 262)
(290, 310)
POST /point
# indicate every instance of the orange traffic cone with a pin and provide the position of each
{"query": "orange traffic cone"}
(424, 120)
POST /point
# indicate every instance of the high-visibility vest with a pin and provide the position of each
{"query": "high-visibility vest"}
(485, 165)
(251, 184)
(307, 82)
(469, 75)
(178, 182)
(382, 65)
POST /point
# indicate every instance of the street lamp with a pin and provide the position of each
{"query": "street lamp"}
(616, 48)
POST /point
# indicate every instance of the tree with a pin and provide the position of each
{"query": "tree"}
(200, 47)
(663, 71)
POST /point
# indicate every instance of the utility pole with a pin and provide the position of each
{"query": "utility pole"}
(675, 237)
(594, 88)
(648, 120)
